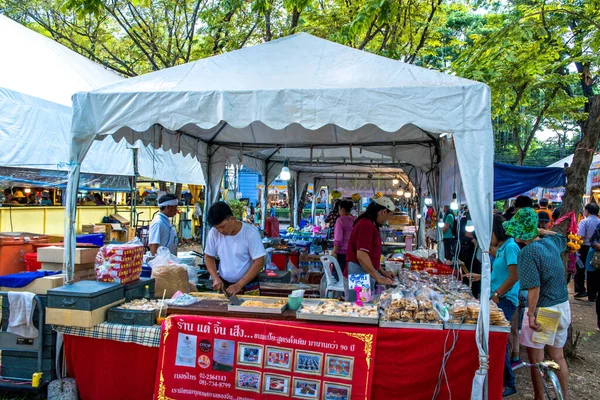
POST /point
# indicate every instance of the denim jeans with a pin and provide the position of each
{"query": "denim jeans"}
(508, 308)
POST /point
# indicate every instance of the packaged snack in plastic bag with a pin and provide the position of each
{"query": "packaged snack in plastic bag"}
(120, 263)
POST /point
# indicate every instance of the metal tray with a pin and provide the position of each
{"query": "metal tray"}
(472, 327)
(262, 310)
(410, 325)
(332, 318)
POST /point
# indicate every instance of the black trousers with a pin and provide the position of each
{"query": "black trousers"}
(467, 251)
(593, 283)
(449, 247)
(580, 272)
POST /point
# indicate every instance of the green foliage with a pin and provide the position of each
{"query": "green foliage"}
(238, 208)
(540, 59)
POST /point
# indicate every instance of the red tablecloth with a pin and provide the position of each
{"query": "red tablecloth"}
(107, 369)
(406, 366)
(408, 362)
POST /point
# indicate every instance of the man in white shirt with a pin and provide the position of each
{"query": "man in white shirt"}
(162, 232)
(239, 248)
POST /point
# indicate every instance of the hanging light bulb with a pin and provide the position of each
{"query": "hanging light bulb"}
(419, 216)
(395, 181)
(469, 227)
(428, 200)
(441, 223)
(454, 203)
(285, 171)
(27, 191)
(399, 192)
(407, 195)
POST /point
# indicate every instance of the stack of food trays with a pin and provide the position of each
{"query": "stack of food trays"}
(405, 309)
(464, 315)
(318, 310)
(260, 305)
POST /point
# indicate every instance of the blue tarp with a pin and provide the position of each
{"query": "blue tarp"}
(512, 180)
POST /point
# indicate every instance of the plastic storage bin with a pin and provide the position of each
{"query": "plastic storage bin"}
(31, 262)
(97, 239)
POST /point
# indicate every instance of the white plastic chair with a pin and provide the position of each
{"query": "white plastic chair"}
(332, 284)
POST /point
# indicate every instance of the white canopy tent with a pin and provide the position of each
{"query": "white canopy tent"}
(38, 76)
(300, 92)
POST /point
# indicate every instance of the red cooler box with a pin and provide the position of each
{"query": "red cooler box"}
(13, 247)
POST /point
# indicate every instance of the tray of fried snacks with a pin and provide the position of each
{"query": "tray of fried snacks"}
(339, 312)
(406, 309)
(464, 316)
(136, 312)
(260, 305)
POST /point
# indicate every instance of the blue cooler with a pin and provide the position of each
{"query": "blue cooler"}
(96, 239)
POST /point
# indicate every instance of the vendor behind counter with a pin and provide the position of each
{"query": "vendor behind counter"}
(240, 251)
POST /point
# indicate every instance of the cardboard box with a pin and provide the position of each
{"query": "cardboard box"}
(79, 318)
(87, 228)
(59, 266)
(99, 228)
(40, 285)
(85, 275)
(131, 233)
(56, 255)
(120, 218)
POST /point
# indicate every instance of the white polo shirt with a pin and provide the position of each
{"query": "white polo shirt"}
(163, 233)
(236, 253)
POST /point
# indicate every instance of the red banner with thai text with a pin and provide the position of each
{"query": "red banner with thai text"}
(242, 359)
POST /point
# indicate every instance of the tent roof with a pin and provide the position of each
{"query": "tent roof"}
(569, 160)
(38, 76)
(45, 68)
(300, 90)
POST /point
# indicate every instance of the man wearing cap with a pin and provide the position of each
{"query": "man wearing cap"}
(46, 199)
(239, 248)
(542, 273)
(162, 232)
(544, 220)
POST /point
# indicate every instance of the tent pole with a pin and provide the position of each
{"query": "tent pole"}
(70, 221)
(296, 201)
(264, 197)
(314, 202)
(134, 193)
(207, 199)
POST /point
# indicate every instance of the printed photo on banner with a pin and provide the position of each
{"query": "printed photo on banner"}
(339, 366)
(186, 350)
(203, 361)
(247, 380)
(308, 362)
(336, 391)
(250, 354)
(223, 355)
(278, 358)
(276, 384)
(305, 388)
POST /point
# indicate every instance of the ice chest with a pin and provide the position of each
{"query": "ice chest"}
(85, 295)
(117, 315)
(136, 289)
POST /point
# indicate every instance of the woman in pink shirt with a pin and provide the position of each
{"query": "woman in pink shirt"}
(343, 228)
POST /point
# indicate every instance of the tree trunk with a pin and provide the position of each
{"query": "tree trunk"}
(302, 201)
(577, 172)
(178, 189)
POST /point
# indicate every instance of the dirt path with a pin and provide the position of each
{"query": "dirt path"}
(584, 371)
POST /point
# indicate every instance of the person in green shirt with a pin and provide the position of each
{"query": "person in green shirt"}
(448, 235)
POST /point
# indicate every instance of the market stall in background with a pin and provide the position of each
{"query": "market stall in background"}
(120, 308)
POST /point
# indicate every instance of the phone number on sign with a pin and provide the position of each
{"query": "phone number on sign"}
(221, 378)
(222, 385)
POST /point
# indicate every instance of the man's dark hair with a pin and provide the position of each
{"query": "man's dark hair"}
(166, 197)
(218, 213)
(592, 208)
(498, 229)
(543, 202)
(523, 202)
